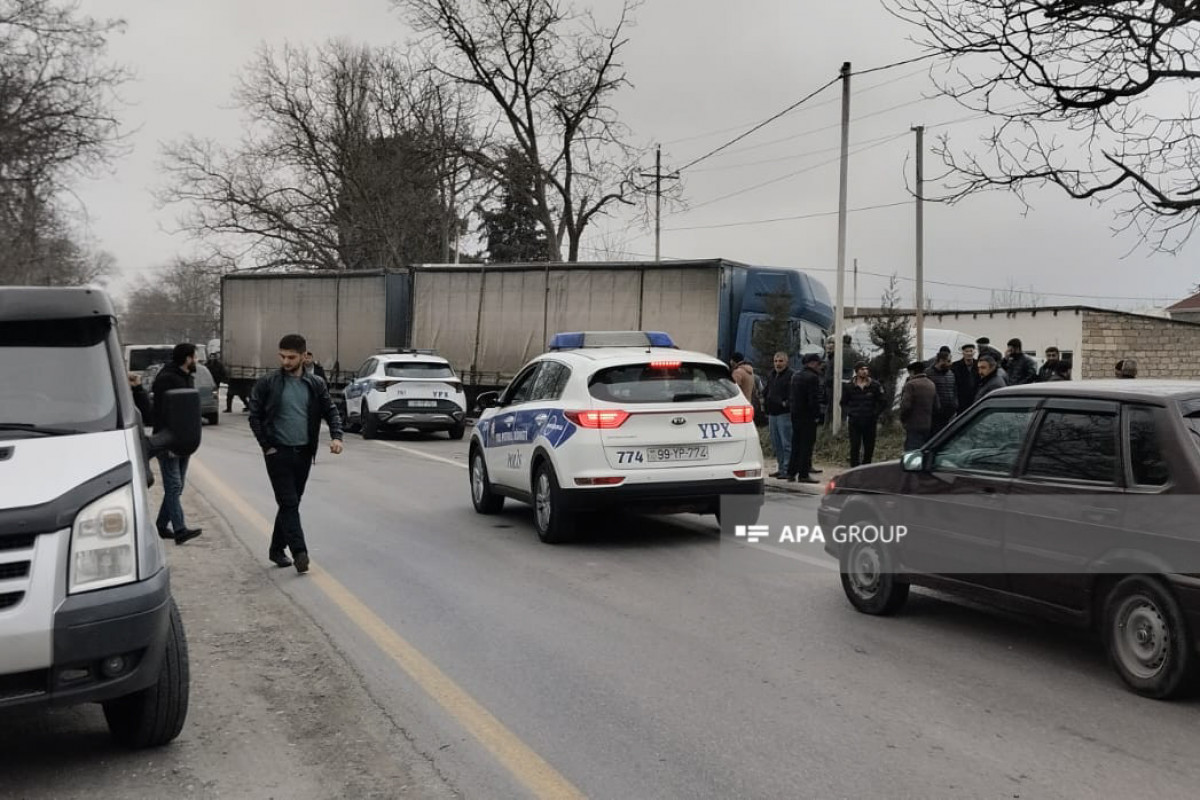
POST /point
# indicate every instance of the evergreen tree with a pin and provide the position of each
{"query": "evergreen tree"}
(773, 334)
(890, 332)
(513, 231)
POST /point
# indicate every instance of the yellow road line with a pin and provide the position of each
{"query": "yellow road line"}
(530, 769)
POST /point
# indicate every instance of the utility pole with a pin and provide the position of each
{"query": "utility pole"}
(920, 306)
(856, 287)
(840, 311)
(658, 178)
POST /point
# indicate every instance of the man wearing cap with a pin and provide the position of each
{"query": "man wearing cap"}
(805, 406)
(862, 403)
(918, 405)
(966, 377)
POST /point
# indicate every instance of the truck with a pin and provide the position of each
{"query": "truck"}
(489, 320)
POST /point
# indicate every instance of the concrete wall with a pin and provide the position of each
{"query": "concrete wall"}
(1163, 348)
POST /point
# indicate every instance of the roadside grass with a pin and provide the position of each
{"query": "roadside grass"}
(835, 450)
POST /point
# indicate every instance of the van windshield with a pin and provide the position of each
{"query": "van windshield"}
(57, 377)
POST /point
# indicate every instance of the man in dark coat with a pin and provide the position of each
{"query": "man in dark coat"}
(805, 407)
(179, 374)
(779, 418)
(966, 377)
(918, 405)
(947, 391)
(1021, 368)
(989, 378)
(1047, 371)
(862, 403)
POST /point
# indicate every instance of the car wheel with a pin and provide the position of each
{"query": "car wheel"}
(370, 423)
(213, 418)
(456, 431)
(486, 500)
(155, 716)
(1148, 640)
(550, 516)
(870, 581)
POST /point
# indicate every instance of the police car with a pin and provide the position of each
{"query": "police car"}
(608, 420)
(398, 389)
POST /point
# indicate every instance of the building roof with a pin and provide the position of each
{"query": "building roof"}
(1033, 311)
(1187, 304)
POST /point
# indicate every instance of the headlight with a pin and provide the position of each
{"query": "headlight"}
(102, 543)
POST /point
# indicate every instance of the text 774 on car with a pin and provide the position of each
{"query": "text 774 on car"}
(608, 420)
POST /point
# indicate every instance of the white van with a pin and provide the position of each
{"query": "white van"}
(86, 612)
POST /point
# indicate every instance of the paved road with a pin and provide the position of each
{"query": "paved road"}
(656, 658)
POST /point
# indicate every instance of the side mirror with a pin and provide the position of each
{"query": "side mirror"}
(181, 433)
(913, 461)
(487, 400)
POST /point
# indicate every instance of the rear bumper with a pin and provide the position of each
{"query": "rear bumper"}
(699, 496)
(422, 420)
(128, 621)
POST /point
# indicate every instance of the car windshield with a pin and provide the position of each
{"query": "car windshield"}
(57, 377)
(142, 358)
(418, 370)
(653, 383)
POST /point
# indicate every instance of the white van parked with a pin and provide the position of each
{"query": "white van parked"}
(86, 612)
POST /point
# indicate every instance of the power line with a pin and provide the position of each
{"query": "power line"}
(895, 64)
(792, 156)
(787, 219)
(762, 124)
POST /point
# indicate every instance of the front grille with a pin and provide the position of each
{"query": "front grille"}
(442, 407)
(17, 569)
(17, 542)
(10, 599)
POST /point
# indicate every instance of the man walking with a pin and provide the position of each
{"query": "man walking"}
(179, 374)
(805, 399)
(918, 405)
(286, 409)
(947, 391)
(862, 403)
(779, 419)
(313, 368)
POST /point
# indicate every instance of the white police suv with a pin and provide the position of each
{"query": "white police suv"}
(398, 389)
(615, 420)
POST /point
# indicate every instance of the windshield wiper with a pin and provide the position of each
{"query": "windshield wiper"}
(38, 429)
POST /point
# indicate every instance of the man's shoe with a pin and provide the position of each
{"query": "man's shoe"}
(809, 479)
(791, 478)
(187, 534)
(816, 471)
(280, 559)
(165, 533)
(301, 563)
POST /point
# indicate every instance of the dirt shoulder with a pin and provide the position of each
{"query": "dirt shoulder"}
(276, 710)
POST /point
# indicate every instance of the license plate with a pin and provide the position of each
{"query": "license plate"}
(686, 453)
(422, 403)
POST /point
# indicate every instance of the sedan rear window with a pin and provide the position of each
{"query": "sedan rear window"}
(674, 382)
(418, 370)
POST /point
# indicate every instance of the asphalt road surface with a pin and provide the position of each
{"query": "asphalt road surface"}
(655, 658)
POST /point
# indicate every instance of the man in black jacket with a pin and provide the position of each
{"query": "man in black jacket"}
(966, 377)
(805, 400)
(1019, 367)
(779, 419)
(862, 403)
(179, 374)
(286, 409)
(947, 391)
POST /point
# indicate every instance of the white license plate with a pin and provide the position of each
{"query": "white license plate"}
(422, 403)
(697, 452)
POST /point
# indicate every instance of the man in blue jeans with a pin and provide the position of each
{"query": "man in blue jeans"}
(286, 409)
(179, 374)
(779, 416)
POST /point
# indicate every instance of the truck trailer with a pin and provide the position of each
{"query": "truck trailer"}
(488, 320)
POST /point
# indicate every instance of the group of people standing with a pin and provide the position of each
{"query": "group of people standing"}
(797, 401)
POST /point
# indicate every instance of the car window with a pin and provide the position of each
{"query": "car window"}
(368, 367)
(550, 381)
(1146, 461)
(142, 358)
(990, 442)
(418, 369)
(521, 389)
(1075, 445)
(663, 383)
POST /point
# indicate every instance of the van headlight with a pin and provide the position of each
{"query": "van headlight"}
(102, 543)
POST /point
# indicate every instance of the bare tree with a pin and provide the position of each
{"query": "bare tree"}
(337, 170)
(1096, 97)
(179, 302)
(1013, 297)
(550, 74)
(56, 121)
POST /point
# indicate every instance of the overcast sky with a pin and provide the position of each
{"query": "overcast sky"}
(703, 70)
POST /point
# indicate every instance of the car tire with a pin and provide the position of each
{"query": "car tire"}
(456, 432)
(869, 579)
(154, 716)
(370, 423)
(483, 497)
(213, 418)
(551, 518)
(1148, 640)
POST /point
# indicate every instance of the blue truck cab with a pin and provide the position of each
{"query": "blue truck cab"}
(747, 296)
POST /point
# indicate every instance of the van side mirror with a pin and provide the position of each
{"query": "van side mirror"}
(181, 433)
(487, 400)
(914, 461)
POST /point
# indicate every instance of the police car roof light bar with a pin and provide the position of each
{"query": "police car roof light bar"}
(581, 339)
(392, 351)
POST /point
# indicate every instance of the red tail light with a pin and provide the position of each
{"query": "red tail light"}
(739, 414)
(614, 481)
(607, 418)
(666, 364)
(831, 487)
